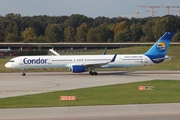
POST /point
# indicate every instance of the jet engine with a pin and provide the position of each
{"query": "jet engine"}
(78, 68)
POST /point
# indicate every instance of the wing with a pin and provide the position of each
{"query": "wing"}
(94, 64)
(100, 63)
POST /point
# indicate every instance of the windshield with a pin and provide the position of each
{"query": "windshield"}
(11, 61)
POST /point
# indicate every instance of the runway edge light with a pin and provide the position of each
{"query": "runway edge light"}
(146, 88)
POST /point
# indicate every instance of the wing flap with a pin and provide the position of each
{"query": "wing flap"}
(100, 63)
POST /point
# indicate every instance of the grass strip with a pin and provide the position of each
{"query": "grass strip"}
(166, 91)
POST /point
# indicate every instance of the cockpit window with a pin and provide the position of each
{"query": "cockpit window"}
(11, 60)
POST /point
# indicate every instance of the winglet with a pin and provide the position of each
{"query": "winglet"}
(104, 53)
(114, 58)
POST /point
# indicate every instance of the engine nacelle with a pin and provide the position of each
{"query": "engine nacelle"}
(78, 68)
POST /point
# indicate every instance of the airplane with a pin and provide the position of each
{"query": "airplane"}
(5, 50)
(84, 63)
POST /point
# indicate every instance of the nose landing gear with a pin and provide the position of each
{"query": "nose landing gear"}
(23, 73)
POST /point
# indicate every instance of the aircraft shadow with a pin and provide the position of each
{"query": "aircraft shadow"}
(102, 73)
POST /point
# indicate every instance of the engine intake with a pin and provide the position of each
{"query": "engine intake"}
(78, 68)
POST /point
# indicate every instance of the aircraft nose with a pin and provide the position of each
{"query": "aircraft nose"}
(7, 65)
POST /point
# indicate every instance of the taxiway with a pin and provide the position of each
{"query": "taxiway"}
(13, 84)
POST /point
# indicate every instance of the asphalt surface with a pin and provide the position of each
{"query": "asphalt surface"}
(13, 84)
(116, 112)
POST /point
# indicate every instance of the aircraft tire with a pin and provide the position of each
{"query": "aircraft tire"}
(23, 74)
(93, 73)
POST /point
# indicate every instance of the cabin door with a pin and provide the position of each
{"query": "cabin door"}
(146, 60)
(21, 61)
(49, 61)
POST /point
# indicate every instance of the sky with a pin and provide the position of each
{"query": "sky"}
(89, 8)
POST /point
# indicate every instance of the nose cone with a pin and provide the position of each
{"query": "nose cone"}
(7, 65)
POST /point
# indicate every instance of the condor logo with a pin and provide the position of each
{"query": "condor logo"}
(34, 61)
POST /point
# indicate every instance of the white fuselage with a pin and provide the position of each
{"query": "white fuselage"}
(64, 61)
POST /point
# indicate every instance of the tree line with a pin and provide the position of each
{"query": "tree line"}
(80, 28)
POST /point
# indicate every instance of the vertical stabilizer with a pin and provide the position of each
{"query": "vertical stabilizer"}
(161, 46)
(159, 49)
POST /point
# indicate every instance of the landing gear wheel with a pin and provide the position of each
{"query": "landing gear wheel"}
(90, 72)
(93, 73)
(23, 74)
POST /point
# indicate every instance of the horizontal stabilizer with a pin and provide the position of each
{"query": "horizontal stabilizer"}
(54, 52)
(164, 58)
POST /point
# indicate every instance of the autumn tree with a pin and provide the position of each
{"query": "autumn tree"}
(100, 34)
(136, 32)
(80, 28)
(54, 33)
(70, 34)
(120, 27)
(164, 24)
(124, 36)
(29, 35)
(148, 31)
(2, 36)
(11, 37)
(91, 35)
(176, 37)
(81, 33)
(104, 34)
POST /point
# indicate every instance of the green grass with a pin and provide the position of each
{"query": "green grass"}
(166, 91)
(170, 65)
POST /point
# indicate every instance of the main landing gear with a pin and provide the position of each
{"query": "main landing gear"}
(93, 73)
